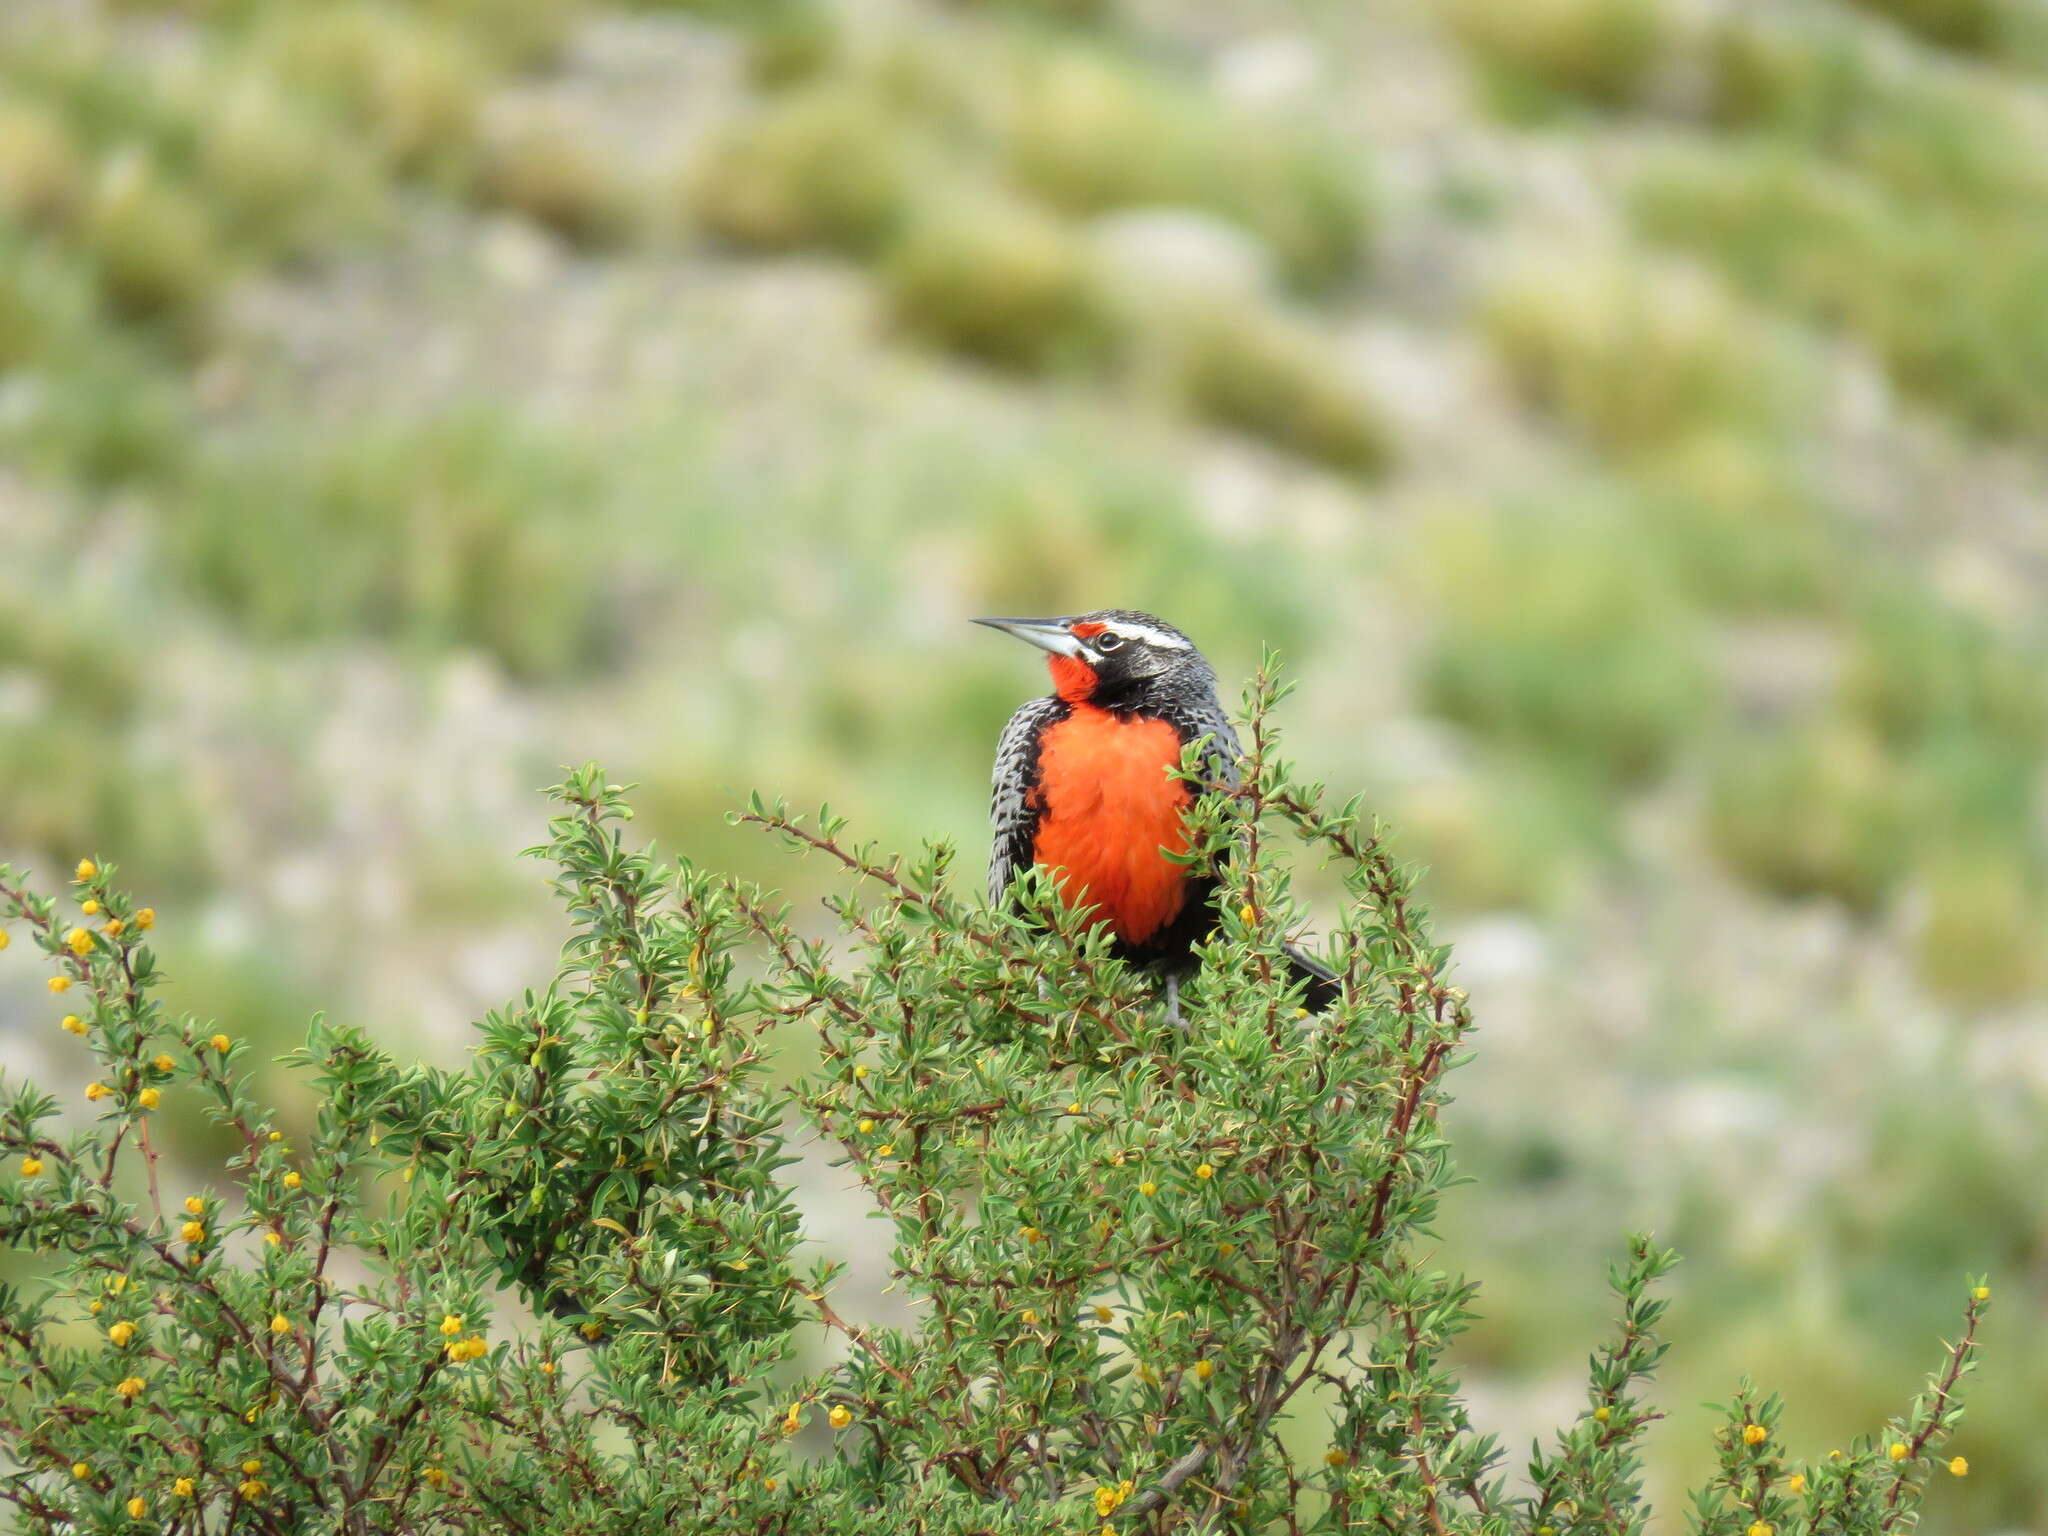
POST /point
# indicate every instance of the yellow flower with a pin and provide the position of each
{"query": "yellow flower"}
(1104, 1315)
(80, 1470)
(121, 1333)
(547, 1367)
(79, 942)
(1246, 912)
(840, 1416)
(1204, 1171)
(1754, 1434)
(94, 1092)
(1030, 1317)
(114, 928)
(1033, 1235)
(184, 1487)
(451, 1325)
(193, 1232)
(31, 1166)
(280, 1325)
(252, 1490)
(5, 939)
(292, 1179)
(865, 1127)
(252, 1467)
(74, 1024)
(1759, 1529)
(885, 1149)
(145, 917)
(1982, 1293)
(89, 907)
(164, 1064)
(117, 1283)
(435, 1477)
(1106, 1500)
(149, 1098)
(1226, 1249)
(137, 1509)
(794, 1419)
(1147, 1187)
(221, 1043)
(768, 1483)
(96, 1308)
(59, 983)
(592, 1330)
(87, 869)
(1074, 1108)
(860, 1070)
(277, 1135)
(1796, 1483)
(195, 1205)
(272, 1238)
(1900, 1451)
(130, 1387)
(1204, 1369)
(1959, 1468)
(1602, 1414)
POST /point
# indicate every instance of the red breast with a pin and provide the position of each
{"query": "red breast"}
(1110, 811)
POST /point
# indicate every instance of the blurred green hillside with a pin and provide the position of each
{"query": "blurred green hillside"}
(1630, 417)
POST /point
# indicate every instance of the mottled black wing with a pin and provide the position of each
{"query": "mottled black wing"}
(1013, 806)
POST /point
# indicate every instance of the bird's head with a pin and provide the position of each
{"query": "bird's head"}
(1116, 658)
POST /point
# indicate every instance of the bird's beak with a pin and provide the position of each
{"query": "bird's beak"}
(1047, 634)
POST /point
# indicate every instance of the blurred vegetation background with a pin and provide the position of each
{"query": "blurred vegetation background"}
(1629, 416)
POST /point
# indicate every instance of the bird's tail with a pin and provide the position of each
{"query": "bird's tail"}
(1322, 987)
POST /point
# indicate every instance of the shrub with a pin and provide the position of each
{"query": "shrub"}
(411, 86)
(1565, 636)
(999, 280)
(41, 170)
(461, 529)
(1245, 367)
(283, 179)
(153, 245)
(1629, 352)
(1133, 1245)
(1815, 811)
(1089, 135)
(1979, 941)
(540, 165)
(1599, 50)
(830, 165)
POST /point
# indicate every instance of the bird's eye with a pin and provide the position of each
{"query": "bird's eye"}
(1110, 640)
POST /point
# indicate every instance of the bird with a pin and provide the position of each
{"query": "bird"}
(1087, 786)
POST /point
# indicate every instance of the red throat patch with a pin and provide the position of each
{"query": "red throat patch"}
(1072, 678)
(1110, 811)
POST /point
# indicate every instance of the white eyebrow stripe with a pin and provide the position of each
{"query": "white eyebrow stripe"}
(1149, 635)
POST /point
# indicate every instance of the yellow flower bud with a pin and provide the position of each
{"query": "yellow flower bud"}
(193, 1232)
(1336, 1458)
(435, 1477)
(1959, 1468)
(79, 942)
(1104, 1315)
(860, 1070)
(1074, 1108)
(1602, 1414)
(547, 1367)
(80, 1470)
(1900, 1450)
(1147, 1187)
(1204, 1171)
(1246, 913)
(865, 1127)
(130, 1387)
(1204, 1369)
(1030, 1317)
(96, 1308)
(221, 1043)
(31, 1166)
(146, 917)
(74, 1024)
(1033, 1235)
(840, 1416)
(195, 1205)
(886, 1149)
(137, 1509)
(1982, 1293)
(1796, 1483)
(451, 1325)
(5, 938)
(1759, 1529)
(87, 869)
(94, 1092)
(164, 1064)
(252, 1467)
(121, 1333)
(252, 1490)
(280, 1325)
(272, 1238)
(149, 1098)
(113, 928)
(59, 983)
(1754, 1434)
(793, 1420)
(184, 1487)
(1226, 1249)
(292, 1179)
(89, 907)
